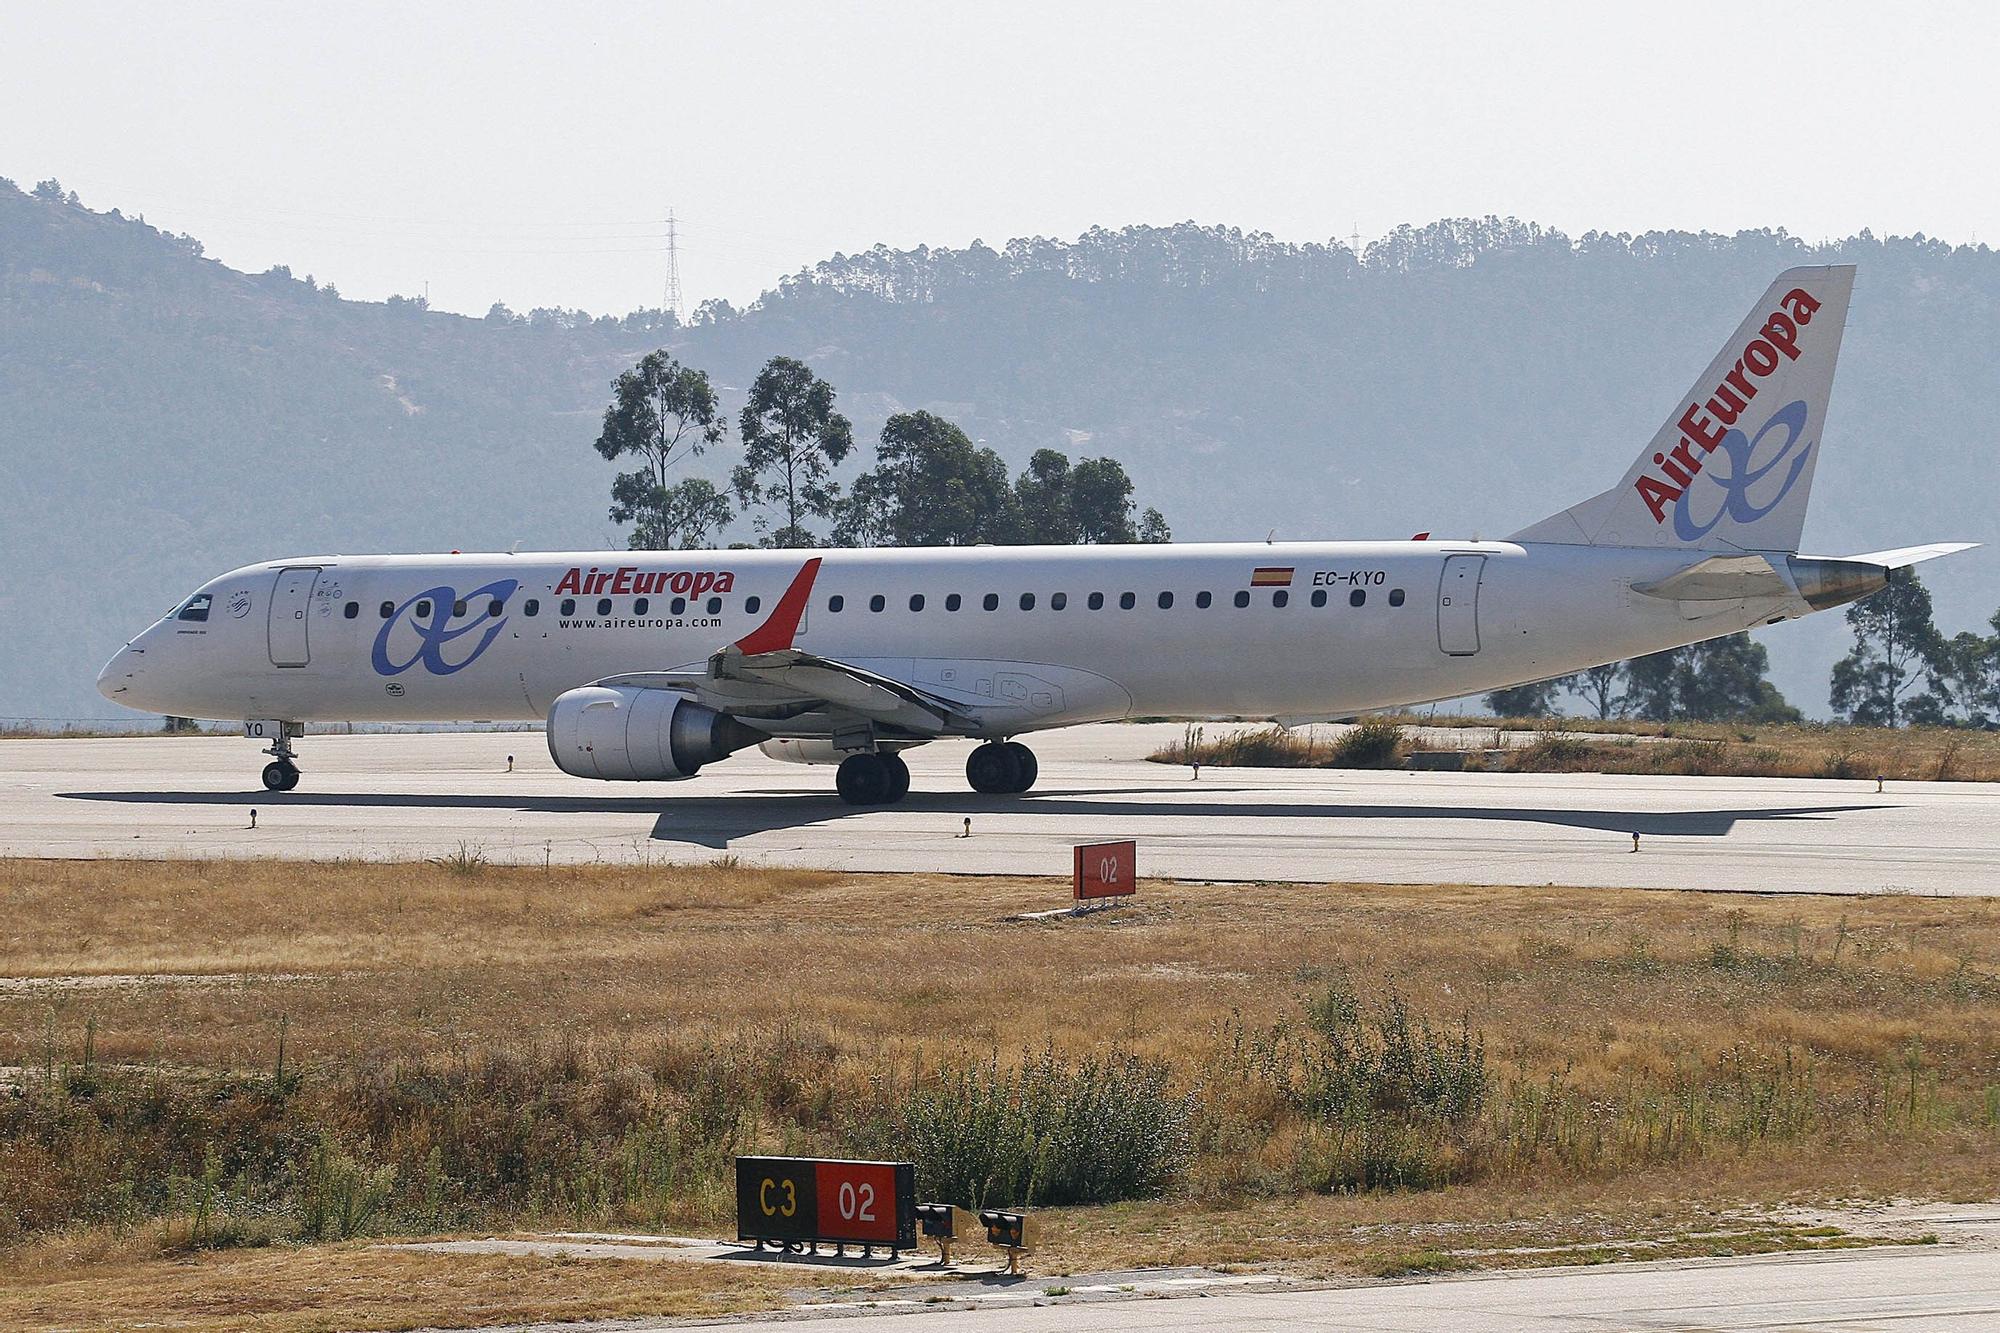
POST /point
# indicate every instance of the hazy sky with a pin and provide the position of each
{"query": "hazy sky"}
(526, 152)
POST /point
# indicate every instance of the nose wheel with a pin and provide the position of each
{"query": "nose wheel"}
(282, 773)
(1002, 768)
(875, 777)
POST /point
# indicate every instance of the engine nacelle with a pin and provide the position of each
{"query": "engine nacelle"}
(627, 733)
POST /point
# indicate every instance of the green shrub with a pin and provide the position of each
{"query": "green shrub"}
(1374, 742)
(1046, 1132)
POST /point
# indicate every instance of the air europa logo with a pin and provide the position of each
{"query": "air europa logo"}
(630, 580)
(1711, 425)
(435, 633)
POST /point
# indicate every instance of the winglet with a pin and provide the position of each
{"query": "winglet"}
(782, 627)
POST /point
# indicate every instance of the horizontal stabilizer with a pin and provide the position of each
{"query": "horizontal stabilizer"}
(1905, 556)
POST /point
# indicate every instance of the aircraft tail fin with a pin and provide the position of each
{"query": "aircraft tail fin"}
(1732, 466)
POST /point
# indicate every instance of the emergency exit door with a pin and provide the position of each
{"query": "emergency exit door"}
(291, 605)
(1458, 605)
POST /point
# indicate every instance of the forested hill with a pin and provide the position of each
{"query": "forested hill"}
(163, 417)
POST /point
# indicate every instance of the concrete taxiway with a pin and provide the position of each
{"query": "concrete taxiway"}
(417, 796)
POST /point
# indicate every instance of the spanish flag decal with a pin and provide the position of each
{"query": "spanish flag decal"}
(1272, 576)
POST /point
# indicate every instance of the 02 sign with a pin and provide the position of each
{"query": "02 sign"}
(1105, 869)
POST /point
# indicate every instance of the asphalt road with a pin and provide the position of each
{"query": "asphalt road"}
(1855, 1291)
(415, 796)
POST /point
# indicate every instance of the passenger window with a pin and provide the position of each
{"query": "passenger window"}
(1058, 600)
(1166, 600)
(1395, 596)
(604, 606)
(877, 602)
(1319, 596)
(916, 601)
(388, 609)
(568, 607)
(750, 605)
(1281, 598)
(1126, 601)
(991, 601)
(835, 602)
(495, 607)
(1027, 601)
(641, 606)
(531, 607)
(1357, 597)
(1202, 600)
(678, 605)
(424, 609)
(715, 606)
(1242, 598)
(351, 610)
(952, 602)
(458, 607)
(1096, 602)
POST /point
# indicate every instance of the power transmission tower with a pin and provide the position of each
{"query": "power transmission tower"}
(674, 269)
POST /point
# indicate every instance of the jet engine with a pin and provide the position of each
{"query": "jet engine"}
(628, 733)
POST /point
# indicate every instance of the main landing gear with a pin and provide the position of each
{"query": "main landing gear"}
(281, 774)
(872, 777)
(1001, 768)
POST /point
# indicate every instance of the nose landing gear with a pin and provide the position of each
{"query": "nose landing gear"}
(1002, 768)
(282, 773)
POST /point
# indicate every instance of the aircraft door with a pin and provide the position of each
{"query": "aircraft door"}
(1458, 605)
(290, 602)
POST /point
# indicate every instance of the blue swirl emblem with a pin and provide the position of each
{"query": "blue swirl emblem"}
(436, 631)
(1744, 473)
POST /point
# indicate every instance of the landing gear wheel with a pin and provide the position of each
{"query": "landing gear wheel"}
(281, 775)
(1025, 769)
(989, 768)
(899, 777)
(868, 779)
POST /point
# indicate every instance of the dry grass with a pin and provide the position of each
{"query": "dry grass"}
(1703, 749)
(1868, 1026)
(94, 1282)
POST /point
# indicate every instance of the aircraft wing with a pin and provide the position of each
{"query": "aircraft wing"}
(764, 677)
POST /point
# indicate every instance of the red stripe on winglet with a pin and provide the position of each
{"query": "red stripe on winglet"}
(783, 626)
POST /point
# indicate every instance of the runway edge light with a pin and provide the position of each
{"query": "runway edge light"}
(1016, 1232)
(945, 1223)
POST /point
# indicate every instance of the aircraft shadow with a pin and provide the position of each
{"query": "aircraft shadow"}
(715, 822)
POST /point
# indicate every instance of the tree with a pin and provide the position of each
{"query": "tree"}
(1598, 688)
(930, 486)
(1534, 700)
(1718, 680)
(1896, 649)
(661, 413)
(682, 517)
(1059, 505)
(1042, 501)
(792, 438)
(1100, 501)
(1971, 676)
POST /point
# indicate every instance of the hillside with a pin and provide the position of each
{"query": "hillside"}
(163, 417)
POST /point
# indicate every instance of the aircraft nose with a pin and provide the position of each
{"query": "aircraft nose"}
(118, 676)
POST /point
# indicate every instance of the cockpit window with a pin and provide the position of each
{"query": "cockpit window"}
(196, 608)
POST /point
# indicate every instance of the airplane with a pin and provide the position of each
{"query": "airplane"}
(649, 665)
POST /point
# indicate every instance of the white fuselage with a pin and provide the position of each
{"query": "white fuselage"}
(498, 637)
